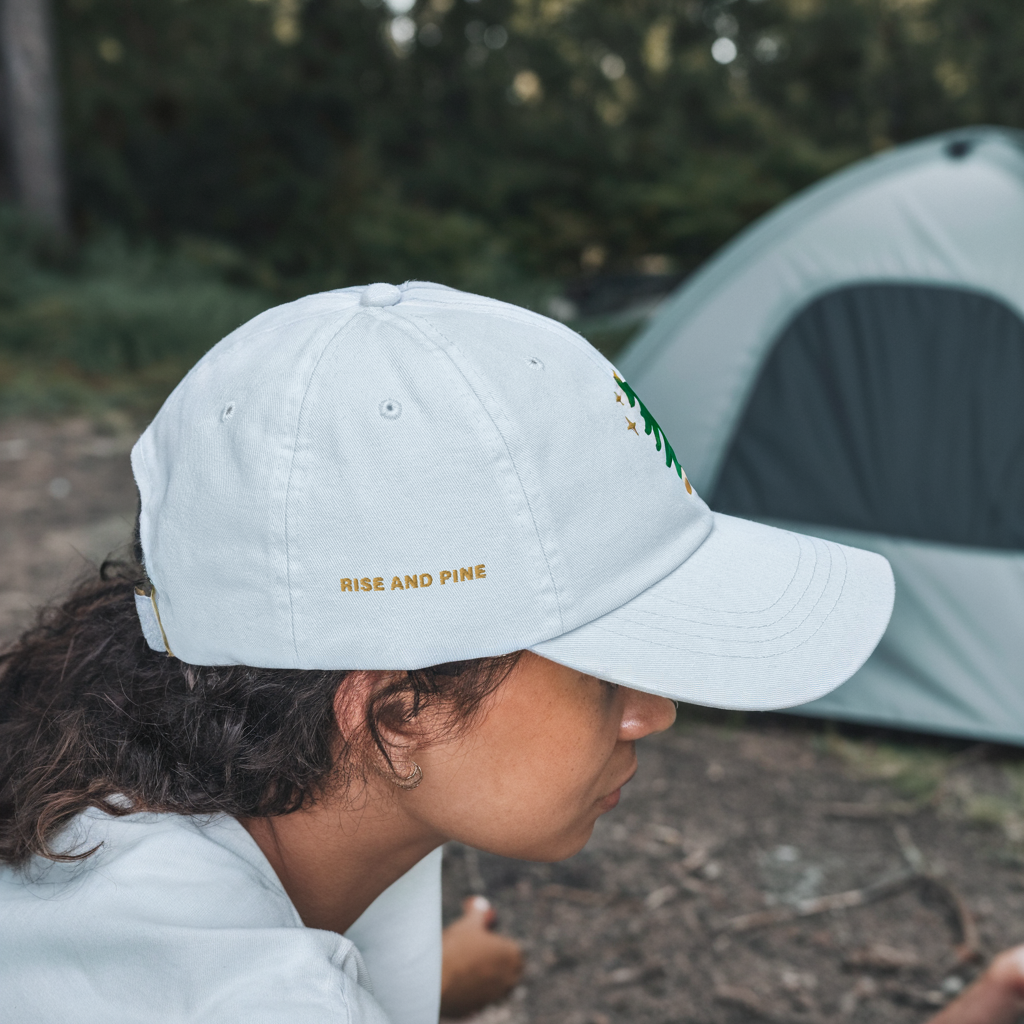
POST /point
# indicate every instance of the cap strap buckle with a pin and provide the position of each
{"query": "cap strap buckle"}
(149, 619)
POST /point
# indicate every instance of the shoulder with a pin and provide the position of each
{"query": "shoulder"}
(166, 867)
(172, 919)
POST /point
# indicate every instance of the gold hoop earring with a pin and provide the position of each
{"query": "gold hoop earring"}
(412, 780)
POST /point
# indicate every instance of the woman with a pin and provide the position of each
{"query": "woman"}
(414, 566)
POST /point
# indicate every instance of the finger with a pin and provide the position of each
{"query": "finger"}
(478, 910)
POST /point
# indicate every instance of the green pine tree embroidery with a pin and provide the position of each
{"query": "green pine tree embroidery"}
(651, 427)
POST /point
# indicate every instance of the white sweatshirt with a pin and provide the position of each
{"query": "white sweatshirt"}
(179, 919)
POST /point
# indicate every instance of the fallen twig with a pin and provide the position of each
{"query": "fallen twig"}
(911, 854)
(892, 809)
(744, 998)
(821, 904)
(696, 859)
(666, 834)
(659, 897)
(969, 947)
(748, 1000)
(909, 995)
(919, 871)
(880, 957)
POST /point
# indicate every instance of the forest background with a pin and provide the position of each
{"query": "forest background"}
(225, 155)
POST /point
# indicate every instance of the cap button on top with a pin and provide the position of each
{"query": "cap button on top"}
(380, 295)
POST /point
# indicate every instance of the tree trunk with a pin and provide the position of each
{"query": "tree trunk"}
(32, 117)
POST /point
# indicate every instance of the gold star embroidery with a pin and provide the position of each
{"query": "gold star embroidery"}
(618, 397)
(632, 426)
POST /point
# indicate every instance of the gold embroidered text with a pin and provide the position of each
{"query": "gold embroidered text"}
(356, 584)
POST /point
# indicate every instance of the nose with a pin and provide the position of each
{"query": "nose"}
(644, 714)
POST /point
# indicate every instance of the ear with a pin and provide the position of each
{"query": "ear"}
(385, 730)
(350, 702)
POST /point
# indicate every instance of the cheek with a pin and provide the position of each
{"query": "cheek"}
(535, 769)
(531, 793)
(562, 756)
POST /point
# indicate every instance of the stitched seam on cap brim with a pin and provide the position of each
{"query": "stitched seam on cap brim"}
(757, 611)
(424, 328)
(332, 337)
(757, 657)
(741, 628)
(813, 543)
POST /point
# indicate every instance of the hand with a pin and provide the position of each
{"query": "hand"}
(997, 997)
(477, 966)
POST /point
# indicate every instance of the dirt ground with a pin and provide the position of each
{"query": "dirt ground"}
(759, 868)
(66, 498)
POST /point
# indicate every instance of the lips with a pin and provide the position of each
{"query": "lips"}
(629, 777)
(608, 802)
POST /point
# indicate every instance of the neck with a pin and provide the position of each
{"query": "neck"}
(336, 857)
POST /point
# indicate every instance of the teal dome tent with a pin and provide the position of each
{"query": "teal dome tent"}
(852, 366)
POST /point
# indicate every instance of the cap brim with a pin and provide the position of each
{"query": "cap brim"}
(756, 618)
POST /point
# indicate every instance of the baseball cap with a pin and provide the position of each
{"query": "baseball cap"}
(392, 477)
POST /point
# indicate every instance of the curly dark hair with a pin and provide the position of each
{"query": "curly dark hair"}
(90, 716)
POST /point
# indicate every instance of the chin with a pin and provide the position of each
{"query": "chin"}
(560, 848)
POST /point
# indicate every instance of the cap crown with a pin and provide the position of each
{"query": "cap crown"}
(476, 470)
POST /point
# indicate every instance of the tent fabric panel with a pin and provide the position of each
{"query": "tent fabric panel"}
(912, 215)
(891, 408)
(952, 659)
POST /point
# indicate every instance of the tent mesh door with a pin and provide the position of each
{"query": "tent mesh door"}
(889, 408)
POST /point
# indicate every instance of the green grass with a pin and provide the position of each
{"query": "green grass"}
(913, 771)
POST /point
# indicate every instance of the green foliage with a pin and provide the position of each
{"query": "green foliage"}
(602, 130)
(499, 145)
(113, 325)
